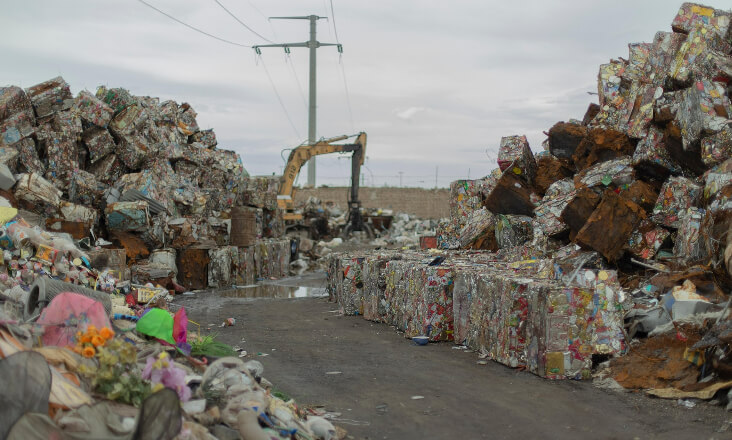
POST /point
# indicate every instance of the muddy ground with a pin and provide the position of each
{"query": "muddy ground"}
(385, 387)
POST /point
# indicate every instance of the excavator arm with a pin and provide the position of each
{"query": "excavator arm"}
(300, 155)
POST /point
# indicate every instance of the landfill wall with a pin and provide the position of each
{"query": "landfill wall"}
(420, 202)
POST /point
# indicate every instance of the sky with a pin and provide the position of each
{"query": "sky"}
(434, 84)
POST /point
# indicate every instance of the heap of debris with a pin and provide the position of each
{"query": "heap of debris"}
(619, 229)
(130, 189)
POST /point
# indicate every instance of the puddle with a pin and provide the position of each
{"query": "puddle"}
(274, 291)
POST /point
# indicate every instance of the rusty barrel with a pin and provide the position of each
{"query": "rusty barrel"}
(243, 226)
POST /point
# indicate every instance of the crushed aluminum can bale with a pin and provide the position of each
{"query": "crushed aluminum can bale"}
(187, 119)
(117, 99)
(641, 114)
(50, 96)
(219, 266)
(698, 112)
(514, 152)
(92, 110)
(716, 148)
(616, 172)
(99, 143)
(513, 230)
(693, 244)
(647, 239)
(651, 155)
(16, 128)
(664, 49)
(78, 213)
(479, 231)
(36, 190)
(717, 179)
(547, 216)
(13, 100)
(108, 170)
(128, 216)
(677, 195)
(84, 189)
(695, 58)
(693, 15)
(28, 156)
(205, 137)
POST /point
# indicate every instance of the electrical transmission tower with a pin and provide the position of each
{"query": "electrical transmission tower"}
(312, 44)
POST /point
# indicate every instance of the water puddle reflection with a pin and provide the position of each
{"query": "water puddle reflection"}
(274, 291)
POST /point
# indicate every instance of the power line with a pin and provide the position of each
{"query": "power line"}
(288, 60)
(192, 27)
(335, 29)
(279, 98)
(242, 23)
(343, 69)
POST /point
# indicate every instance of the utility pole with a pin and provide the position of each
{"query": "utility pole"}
(312, 44)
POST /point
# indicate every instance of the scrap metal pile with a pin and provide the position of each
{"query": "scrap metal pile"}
(619, 229)
(110, 204)
(115, 187)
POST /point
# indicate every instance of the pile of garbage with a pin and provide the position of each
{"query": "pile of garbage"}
(617, 238)
(74, 373)
(113, 191)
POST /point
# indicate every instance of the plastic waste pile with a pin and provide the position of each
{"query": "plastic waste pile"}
(615, 241)
(114, 191)
(77, 373)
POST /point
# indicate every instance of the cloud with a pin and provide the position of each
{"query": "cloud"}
(408, 114)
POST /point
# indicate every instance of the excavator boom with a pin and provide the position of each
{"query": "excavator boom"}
(300, 155)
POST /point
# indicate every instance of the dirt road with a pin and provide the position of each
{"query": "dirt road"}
(385, 387)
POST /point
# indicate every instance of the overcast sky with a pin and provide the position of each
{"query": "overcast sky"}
(434, 84)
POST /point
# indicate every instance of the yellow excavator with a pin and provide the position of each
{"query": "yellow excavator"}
(300, 155)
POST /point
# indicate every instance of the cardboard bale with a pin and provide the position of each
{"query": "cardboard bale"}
(693, 15)
(677, 195)
(693, 244)
(549, 169)
(610, 225)
(703, 110)
(612, 173)
(511, 195)
(514, 152)
(99, 142)
(717, 147)
(478, 232)
(13, 101)
(117, 99)
(92, 110)
(601, 145)
(564, 139)
(513, 230)
(128, 216)
(652, 157)
(50, 96)
(647, 239)
(193, 268)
